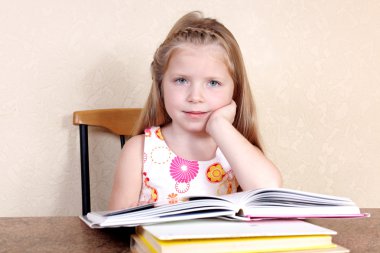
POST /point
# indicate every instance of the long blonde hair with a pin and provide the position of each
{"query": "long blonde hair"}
(194, 28)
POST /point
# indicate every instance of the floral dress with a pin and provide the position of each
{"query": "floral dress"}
(168, 177)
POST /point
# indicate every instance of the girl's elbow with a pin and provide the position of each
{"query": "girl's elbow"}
(277, 182)
(273, 180)
(276, 179)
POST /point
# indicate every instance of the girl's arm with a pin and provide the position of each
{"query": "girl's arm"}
(251, 168)
(128, 177)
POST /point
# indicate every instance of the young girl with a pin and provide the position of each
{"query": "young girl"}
(198, 133)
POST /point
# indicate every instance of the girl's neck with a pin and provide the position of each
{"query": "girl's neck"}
(189, 145)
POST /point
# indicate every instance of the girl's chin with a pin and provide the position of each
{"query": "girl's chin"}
(194, 127)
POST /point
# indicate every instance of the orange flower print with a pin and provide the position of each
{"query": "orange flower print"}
(228, 185)
(153, 194)
(150, 193)
(172, 198)
(215, 173)
(229, 189)
(159, 134)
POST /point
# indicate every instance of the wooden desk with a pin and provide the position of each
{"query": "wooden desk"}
(69, 234)
(59, 234)
(359, 235)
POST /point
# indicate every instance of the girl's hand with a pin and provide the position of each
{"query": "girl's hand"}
(225, 113)
(260, 171)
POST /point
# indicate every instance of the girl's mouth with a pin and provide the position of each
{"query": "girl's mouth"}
(195, 114)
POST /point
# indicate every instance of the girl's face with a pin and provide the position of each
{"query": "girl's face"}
(196, 83)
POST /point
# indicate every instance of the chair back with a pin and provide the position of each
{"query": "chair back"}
(120, 121)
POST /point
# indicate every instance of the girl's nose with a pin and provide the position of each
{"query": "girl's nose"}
(195, 94)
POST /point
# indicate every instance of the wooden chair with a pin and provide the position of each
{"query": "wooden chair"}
(118, 121)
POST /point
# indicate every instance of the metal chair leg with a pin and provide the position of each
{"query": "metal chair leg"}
(85, 174)
(122, 140)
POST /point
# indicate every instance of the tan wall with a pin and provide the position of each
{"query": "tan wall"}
(314, 68)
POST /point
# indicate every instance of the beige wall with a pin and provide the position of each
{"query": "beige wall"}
(314, 68)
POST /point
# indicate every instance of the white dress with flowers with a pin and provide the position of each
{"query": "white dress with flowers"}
(168, 177)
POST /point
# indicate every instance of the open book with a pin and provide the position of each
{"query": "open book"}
(266, 203)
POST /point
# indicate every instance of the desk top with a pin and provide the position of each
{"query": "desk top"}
(70, 234)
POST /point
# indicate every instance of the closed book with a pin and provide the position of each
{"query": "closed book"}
(214, 235)
(217, 228)
(312, 244)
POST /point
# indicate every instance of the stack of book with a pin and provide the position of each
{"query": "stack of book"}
(263, 220)
(219, 236)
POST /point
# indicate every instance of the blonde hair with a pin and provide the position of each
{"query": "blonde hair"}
(194, 28)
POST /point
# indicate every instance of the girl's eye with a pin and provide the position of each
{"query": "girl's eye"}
(213, 83)
(181, 81)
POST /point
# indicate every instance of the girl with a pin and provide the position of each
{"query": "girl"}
(197, 133)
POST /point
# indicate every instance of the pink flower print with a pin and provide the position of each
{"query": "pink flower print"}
(182, 187)
(145, 157)
(147, 132)
(183, 171)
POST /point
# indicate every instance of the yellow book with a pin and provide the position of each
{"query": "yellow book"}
(335, 249)
(214, 235)
(140, 244)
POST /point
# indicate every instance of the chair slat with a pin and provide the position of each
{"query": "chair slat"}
(120, 121)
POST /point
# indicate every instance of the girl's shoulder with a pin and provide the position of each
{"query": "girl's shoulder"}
(134, 145)
(135, 139)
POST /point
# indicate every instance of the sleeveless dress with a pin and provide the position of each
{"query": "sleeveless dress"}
(168, 178)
